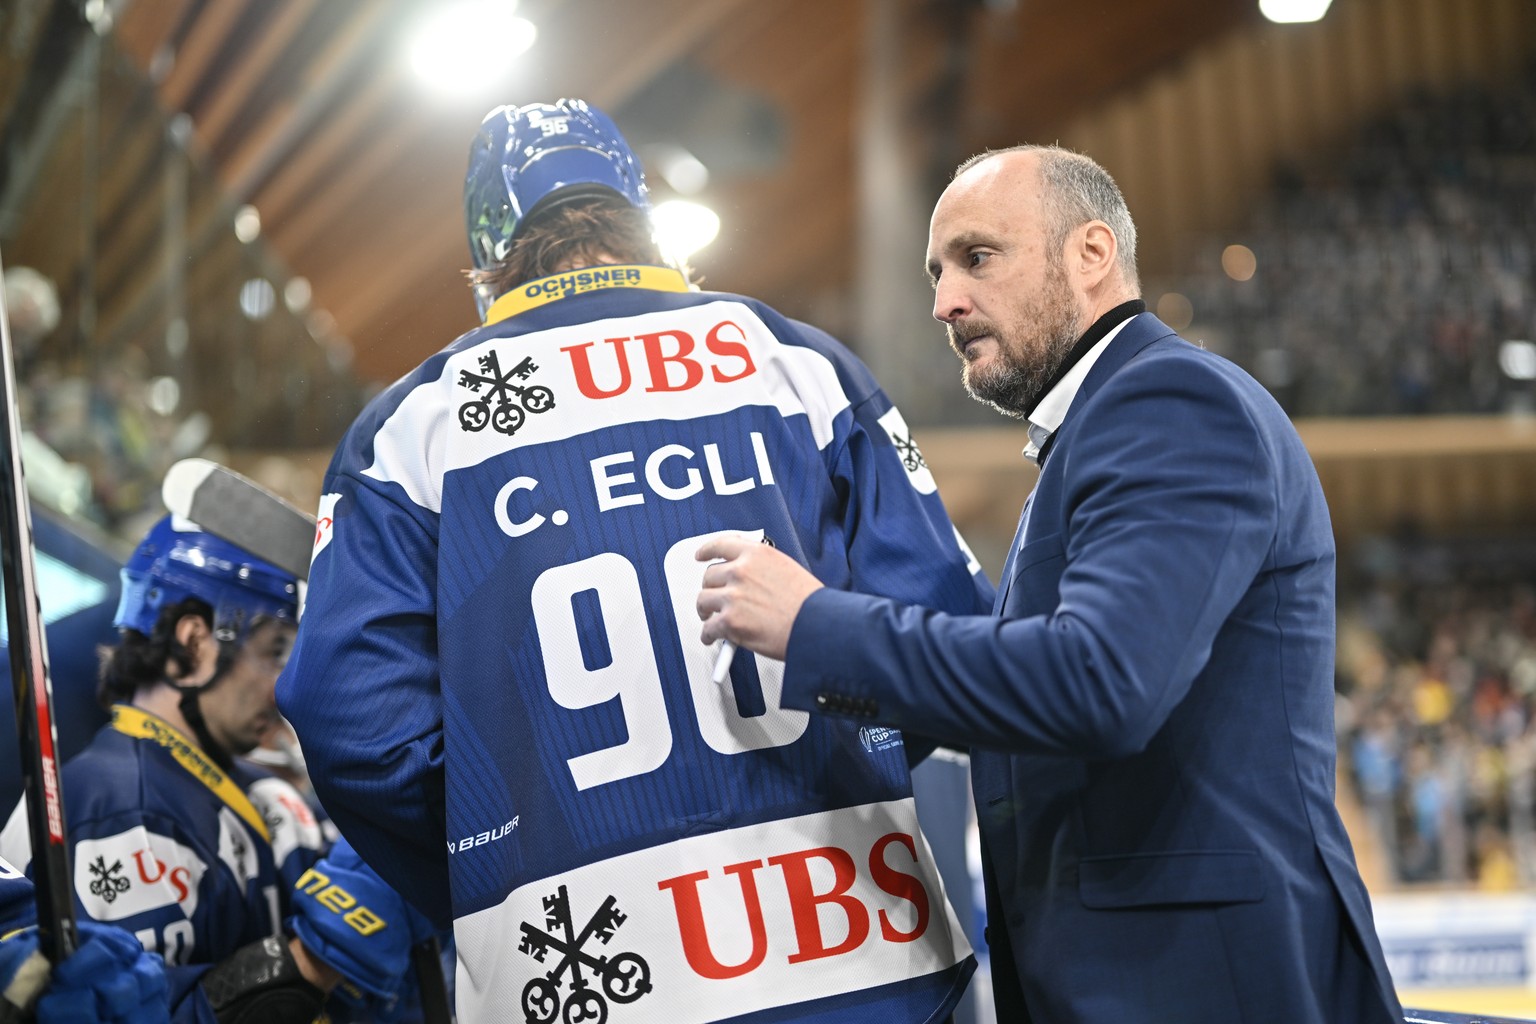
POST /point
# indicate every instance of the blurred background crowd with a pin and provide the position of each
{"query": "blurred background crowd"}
(1395, 277)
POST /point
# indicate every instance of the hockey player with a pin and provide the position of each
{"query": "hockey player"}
(194, 855)
(499, 683)
(109, 979)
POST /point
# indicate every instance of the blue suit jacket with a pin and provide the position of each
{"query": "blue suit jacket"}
(1150, 712)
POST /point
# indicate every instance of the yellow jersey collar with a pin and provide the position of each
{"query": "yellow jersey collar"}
(533, 294)
(139, 724)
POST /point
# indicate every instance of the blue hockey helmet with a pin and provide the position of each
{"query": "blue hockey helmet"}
(177, 560)
(526, 158)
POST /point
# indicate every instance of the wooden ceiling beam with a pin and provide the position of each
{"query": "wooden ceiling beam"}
(288, 194)
(322, 95)
(254, 61)
(143, 27)
(637, 42)
(211, 29)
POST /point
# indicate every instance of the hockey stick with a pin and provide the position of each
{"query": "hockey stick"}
(37, 739)
(245, 513)
(242, 512)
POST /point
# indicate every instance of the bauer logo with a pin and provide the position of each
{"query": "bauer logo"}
(561, 991)
(878, 737)
(503, 404)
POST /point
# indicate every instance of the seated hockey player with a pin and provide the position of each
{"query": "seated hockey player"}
(499, 678)
(196, 855)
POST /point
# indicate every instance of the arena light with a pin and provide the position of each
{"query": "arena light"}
(1294, 12)
(1518, 360)
(461, 48)
(1239, 262)
(684, 227)
(247, 223)
(1175, 310)
(257, 297)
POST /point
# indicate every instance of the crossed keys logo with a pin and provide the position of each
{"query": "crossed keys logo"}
(511, 399)
(910, 456)
(107, 883)
(624, 978)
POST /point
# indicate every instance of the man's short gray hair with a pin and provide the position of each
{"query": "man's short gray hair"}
(1075, 189)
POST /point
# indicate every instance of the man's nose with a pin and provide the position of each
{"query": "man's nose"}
(949, 302)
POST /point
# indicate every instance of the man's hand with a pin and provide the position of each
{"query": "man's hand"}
(752, 597)
(108, 979)
(348, 918)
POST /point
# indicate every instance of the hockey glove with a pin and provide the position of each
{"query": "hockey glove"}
(352, 920)
(108, 979)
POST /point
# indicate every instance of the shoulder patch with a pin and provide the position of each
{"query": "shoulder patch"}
(236, 847)
(900, 435)
(289, 820)
(119, 876)
(325, 523)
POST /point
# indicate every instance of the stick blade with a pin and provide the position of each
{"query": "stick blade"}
(242, 512)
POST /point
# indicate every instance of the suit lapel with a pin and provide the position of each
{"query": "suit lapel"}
(1142, 331)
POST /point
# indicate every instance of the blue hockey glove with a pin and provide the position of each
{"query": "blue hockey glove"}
(352, 920)
(108, 979)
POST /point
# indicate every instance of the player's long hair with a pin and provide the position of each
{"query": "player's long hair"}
(582, 233)
(140, 660)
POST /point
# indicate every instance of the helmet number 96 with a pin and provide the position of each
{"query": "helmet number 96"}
(554, 126)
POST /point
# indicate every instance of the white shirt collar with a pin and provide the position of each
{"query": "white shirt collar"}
(1052, 409)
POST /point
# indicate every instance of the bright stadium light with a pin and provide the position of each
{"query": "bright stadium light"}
(684, 227)
(1294, 12)
(461, 48)
(247, 223)
(1518, 360)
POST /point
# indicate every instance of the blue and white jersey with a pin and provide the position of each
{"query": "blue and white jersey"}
(499, 682)
(194, 862)
(18, 907)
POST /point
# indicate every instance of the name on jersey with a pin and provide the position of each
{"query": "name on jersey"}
(672, 472)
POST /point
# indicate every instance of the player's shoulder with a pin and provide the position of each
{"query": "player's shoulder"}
(118, 775)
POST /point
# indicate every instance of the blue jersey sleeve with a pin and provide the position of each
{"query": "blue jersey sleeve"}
(366, 680)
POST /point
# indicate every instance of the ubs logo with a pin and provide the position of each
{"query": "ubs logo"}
(108, 883)
(624, 978)
(512, 401)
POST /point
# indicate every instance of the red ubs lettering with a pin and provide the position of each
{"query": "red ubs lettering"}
(804, 905)
(179, 875)
(673, 361)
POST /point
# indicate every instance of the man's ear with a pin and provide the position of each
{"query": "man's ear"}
(193, 633)
(1095, 253)
(191, 630)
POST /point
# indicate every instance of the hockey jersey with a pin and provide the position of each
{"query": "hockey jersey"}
(193, 861)
(500, 687)
(17, 906)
